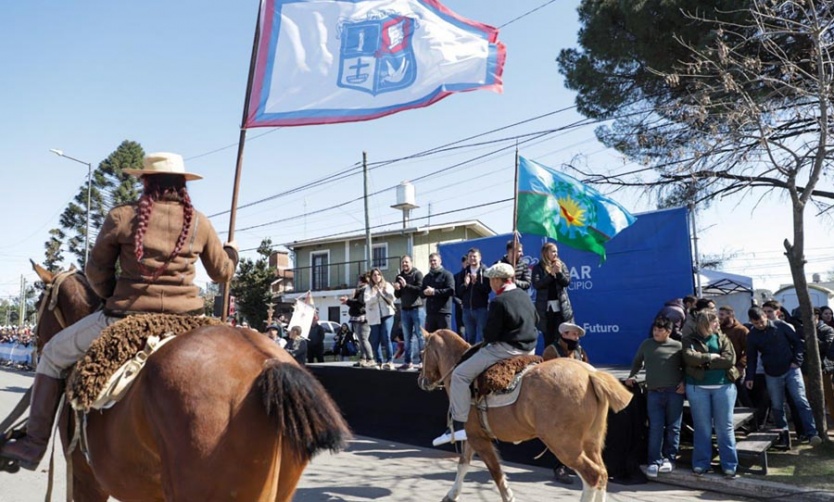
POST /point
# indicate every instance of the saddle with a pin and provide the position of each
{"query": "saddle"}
(502, 377)
(115, 358)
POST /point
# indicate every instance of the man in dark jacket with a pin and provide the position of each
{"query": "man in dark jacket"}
(522, 270)
(472, 287)
(407, 288)
(315, 344)
(510, 331)
(782, 352)
(438, 290)
(825, 339)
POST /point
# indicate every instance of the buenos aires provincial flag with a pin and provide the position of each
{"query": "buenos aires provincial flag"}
(329, 61)
(561, 207)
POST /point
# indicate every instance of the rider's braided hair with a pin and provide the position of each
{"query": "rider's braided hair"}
(170, 187)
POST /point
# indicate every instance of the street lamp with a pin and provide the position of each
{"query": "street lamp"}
(60, 153)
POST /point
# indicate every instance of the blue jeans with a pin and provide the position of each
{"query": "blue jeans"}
(713, 407)
(665, 409)
(474, 320)
(792, 380)
(412, 321)
(381, 337)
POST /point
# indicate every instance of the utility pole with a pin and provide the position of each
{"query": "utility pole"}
(368, 244)
(697, 265)
(21, 312)
(89, 165)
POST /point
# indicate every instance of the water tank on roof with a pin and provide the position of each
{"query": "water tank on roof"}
(406, 198)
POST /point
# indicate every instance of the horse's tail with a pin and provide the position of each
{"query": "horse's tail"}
(609, 390)
(307, 417)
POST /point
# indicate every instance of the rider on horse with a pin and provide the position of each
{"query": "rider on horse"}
(156, 242)
(510, 331)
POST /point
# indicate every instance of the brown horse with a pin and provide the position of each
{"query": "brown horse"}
(218, 413)
(563, 402)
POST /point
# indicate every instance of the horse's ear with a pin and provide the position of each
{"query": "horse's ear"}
(44, 274)
(425, 333)
(72, 267)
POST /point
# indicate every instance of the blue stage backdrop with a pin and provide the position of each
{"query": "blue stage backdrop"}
(648, 263)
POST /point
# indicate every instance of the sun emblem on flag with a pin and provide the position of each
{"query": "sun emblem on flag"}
(572, 213)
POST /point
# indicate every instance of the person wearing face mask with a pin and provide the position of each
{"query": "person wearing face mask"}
(567, 345)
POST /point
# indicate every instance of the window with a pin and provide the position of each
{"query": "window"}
(379, 258)
(319, 270)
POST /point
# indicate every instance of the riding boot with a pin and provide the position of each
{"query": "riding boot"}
(29, 450)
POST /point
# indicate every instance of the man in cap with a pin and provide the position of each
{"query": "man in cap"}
(567, 345)
(510, 331)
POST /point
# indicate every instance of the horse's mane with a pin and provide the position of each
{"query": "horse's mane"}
(78, 299)
(451, 339)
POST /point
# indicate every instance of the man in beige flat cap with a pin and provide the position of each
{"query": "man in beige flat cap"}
(510, 331)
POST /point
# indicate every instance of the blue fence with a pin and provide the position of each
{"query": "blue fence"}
(16, 352)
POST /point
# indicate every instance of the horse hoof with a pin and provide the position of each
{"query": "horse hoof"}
(9, 465)
(447, 499)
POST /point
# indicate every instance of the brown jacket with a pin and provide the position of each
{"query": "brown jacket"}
(737, 333)
(174, 291)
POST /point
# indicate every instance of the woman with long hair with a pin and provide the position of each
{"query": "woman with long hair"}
(156, 242)
(379, 309)
(827, 315)
(710, 370)
(551, 278)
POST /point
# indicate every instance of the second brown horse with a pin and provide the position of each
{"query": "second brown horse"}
(563, 402)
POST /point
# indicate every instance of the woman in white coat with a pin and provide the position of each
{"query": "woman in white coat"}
(379, 310)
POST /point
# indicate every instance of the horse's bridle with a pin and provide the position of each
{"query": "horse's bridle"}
(49, 301)
(423, 382)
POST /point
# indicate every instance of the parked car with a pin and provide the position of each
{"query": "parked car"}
(330, 330)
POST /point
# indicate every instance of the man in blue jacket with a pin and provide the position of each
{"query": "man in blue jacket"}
(782, 352)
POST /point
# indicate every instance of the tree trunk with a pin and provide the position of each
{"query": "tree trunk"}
(813, 375)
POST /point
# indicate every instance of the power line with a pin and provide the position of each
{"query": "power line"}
(444, 213)
(511, 21)
(355, 168)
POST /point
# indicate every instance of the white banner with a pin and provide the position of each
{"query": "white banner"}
(322, 62)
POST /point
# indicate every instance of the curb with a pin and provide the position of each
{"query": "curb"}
(741, 486)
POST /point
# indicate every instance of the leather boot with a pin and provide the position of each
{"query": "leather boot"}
(29, 450)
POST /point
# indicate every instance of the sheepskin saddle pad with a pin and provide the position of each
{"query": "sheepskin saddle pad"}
(118, 345)
(501, 376)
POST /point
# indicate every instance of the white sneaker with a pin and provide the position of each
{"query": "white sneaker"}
(447, 437)
(651, 471)
(667, 466)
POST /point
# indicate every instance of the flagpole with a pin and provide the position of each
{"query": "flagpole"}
(240, 146)
(515, 210)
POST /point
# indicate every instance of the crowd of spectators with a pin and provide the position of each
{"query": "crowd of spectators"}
(23, 335)
(718, 363)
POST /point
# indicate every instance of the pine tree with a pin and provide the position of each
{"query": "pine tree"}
(110, 187)
(251, 286)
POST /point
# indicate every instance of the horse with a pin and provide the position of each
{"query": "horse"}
(218, 413)
(563, 402)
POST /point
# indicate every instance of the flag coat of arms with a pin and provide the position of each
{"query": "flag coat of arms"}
(330, 61)
(561, 207)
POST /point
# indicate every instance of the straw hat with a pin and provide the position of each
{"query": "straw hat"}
(163, 163)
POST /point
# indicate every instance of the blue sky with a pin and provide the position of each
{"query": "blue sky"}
(84, 76)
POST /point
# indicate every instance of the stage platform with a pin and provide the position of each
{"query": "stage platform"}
(389, 405)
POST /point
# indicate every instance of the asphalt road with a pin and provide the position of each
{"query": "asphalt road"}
(370, 470)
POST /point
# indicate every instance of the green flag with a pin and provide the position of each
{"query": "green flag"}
(559, 206)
